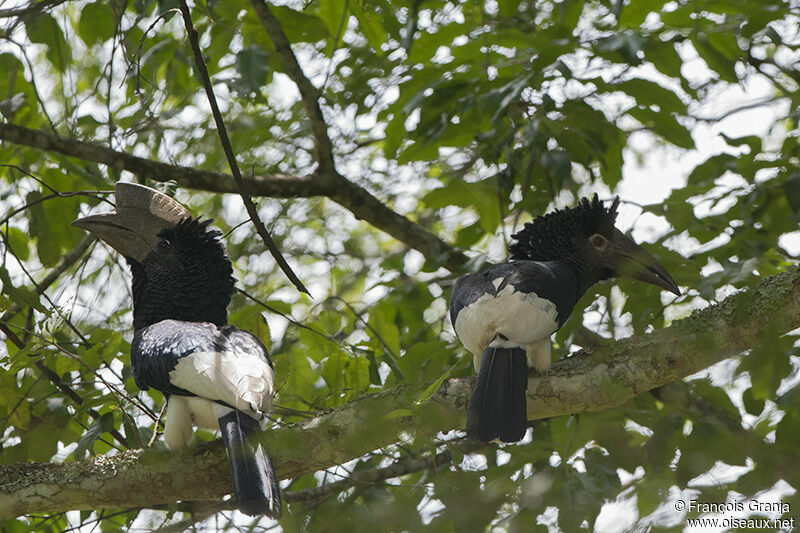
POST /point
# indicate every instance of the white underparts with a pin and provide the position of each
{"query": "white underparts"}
(539, 355)
(510, 319)
(183, 412)
(241, 380)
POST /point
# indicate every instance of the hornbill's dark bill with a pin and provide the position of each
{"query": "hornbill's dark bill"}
(213, 374)
(506, 313)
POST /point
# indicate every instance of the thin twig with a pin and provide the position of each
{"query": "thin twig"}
(372, 476)
(58, 382)
(155, 426)
(336, 42)
(226, 146)
(308, 93)
(29, 9)
(377, 335)
(761, 102)
(40, 291)
(285, 316)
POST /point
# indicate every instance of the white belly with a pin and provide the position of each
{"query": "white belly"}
(510, 319)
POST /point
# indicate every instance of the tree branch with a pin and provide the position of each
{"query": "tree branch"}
(613, 374)
(308, 93)
(63, 264)
(272, 185)
(344, 192)
(406, 465)
(360, 202)
(33, 7)
(222, 132)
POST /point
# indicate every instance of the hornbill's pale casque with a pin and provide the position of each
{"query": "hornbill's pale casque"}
(506, 313)
(213, 374)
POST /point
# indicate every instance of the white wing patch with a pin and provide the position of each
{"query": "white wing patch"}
(238, 378)
(522, 318)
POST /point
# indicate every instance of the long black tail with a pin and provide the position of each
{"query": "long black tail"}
(498, 407)
(254, 483)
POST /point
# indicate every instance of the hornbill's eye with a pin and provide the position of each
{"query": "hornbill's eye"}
(598, 241)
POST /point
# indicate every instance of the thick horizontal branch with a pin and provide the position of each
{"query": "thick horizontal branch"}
(360, 202)
(347, 194)
(273, 185)
(609, 377)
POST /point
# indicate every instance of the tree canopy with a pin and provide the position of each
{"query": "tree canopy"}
(388, 147)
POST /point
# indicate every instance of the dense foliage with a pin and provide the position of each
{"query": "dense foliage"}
(467, 117)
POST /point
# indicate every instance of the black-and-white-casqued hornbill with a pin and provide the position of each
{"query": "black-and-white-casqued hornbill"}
(213, 374)
(506, 313)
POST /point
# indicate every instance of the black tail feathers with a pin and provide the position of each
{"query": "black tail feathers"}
(255, 486)
(498, 407)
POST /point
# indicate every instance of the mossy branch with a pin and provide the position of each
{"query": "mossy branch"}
(608, 377)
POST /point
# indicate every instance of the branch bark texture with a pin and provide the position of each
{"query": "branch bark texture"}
(360, 202)
(608, 377)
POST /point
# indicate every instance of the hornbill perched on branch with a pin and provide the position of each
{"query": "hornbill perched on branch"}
(213, 374)
(506, 313)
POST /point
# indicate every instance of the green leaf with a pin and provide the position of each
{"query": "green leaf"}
(711, 169)
(753, 141)
(20, 295)
(300, 27)
(97, 23)
(249, 318)
(51, 220)
(332, 12)
(717, 61)
(431, 389)
(626, 46)
(104, 424)
(482, 196)
(20, 416)
(252, 64)
(665, 125)
(382, 319)
(752, 405)
(792, 188)
(370, 26)
(19, 242)
(43, 29)
(558, 164)
(635, 12)
(648, 93)
(399, 413)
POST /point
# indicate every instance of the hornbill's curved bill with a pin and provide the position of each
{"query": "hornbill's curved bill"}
(213, 374)
(629, 260)
(141, 214)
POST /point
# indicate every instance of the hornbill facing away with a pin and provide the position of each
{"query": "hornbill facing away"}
(506, 313)
(213, 374)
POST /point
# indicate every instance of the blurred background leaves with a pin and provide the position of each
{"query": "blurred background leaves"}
(469, 118)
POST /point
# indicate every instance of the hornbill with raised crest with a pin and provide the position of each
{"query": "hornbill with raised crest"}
(213, 374)
(506, 313)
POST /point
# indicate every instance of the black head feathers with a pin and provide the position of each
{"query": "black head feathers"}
(188, 276)
(549, 237)
(191, 234)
